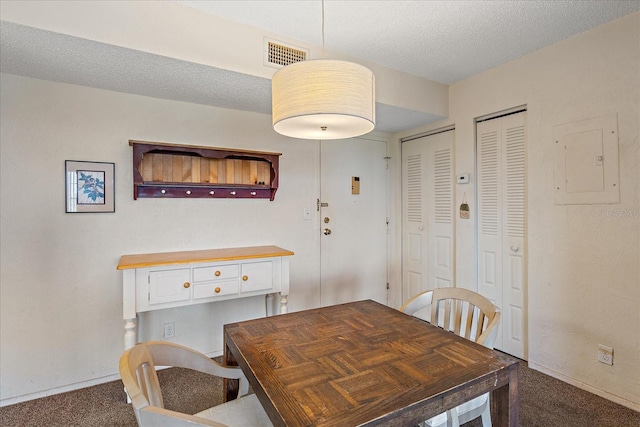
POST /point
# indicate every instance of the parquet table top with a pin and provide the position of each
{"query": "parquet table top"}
(364, 363)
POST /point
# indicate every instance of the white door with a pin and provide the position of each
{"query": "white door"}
(353, 227)
(427, 226)
(501, 147)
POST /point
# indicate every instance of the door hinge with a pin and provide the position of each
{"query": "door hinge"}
(388, 286)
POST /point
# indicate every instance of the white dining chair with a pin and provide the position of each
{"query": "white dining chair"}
(138, 373)
(469, 315)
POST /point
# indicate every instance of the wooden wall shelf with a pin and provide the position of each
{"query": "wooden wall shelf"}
(189, 171)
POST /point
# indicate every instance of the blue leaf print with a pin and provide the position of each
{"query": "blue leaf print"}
(91, 186)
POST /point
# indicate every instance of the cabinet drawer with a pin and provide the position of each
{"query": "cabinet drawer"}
(257, 276)
(169, 286)
(215, 289)
(221, 272)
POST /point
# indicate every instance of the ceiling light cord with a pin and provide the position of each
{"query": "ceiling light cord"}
(322, 29)
(323, 99)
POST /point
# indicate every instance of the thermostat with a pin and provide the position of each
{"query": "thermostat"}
(463, 178)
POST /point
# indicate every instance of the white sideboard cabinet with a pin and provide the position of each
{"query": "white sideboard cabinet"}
(176, 279)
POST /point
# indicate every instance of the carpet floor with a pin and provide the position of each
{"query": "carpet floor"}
(544, 401)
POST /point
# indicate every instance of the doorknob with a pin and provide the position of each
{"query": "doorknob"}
(515, 248)
(326, 220)
(326, 231)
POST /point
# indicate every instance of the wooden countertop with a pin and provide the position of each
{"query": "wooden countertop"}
(205, 255)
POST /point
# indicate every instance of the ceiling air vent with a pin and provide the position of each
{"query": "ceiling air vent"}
(279, 55)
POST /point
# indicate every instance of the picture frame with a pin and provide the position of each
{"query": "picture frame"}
(89, 186)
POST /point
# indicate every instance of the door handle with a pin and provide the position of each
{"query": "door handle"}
(514, 248)
(326, 231)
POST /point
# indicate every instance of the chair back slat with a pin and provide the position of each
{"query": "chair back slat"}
(434, 311)
(480, 324)
(469, 321)
(149, 384)
(140, 376)
(457, 317)
(447, 315)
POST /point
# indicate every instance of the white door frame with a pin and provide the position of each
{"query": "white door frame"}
(330, 294)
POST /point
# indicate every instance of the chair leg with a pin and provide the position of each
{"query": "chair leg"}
(452, 418)
(486, 416)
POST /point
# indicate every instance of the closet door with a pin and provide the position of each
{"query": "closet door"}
(501, 147)
(427, 175)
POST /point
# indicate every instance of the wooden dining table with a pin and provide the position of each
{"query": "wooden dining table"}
(365, 364)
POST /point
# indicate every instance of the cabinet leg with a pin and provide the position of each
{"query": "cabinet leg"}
(283, 304)
(129, 333)
(129, 341)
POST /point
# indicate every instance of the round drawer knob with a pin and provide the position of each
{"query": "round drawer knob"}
(245, 278)
(163, 191)
(253, 193)
(217, 290)
(217, 273)
(186, 285)
(212, 192)
(233, 193)
(188, 191)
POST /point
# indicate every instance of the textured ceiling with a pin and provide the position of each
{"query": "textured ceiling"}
(440, 41)
(43, 54)
(443, 41)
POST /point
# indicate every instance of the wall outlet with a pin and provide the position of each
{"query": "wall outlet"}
(605, 354)
(169, 330)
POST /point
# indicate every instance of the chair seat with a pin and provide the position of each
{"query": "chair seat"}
(242, 412)
(437, 421)
(469, 410)
(473, 403)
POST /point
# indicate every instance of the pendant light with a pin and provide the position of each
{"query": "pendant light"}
(323, 99)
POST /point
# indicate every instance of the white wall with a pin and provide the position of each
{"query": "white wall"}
(61, 295)
(584, 265)
(127, 24)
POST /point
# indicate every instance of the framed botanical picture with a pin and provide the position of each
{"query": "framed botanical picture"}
(89, 186)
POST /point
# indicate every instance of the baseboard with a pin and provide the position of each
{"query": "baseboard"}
(58, 390)
(71, 387)
(604, 394)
